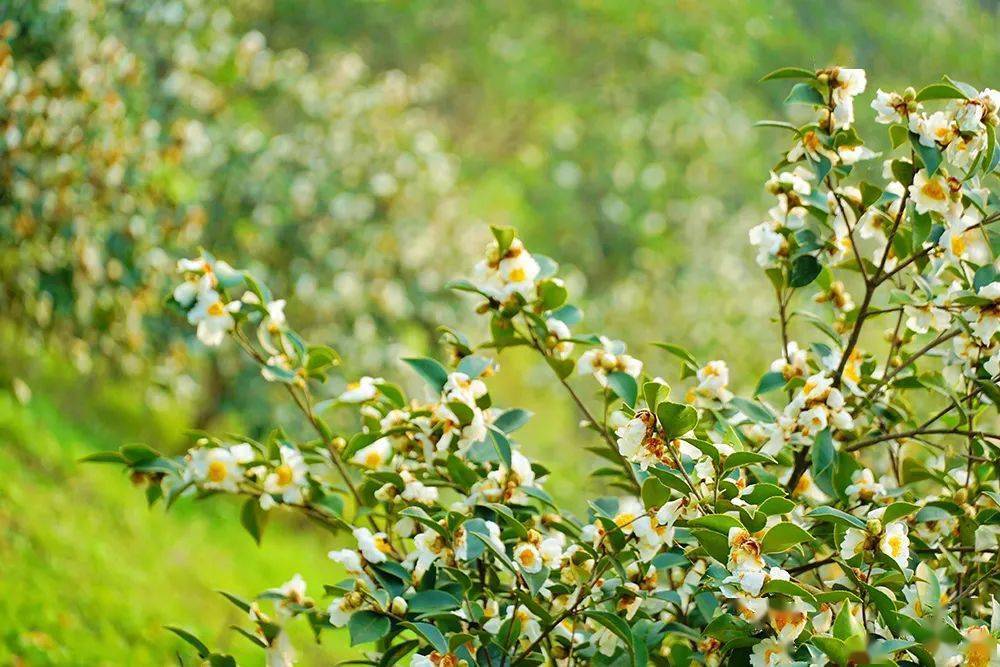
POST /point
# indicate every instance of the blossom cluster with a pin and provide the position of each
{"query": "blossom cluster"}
(846, 512)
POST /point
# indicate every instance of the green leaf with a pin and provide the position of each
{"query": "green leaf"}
(839, 517)
(715, 544)
(775, 505)
(804, 270)
(743, 459)
(199, 646)
(789, 73)
(753, 410)
(676, 419)
(430, 370)
(552, 294)
(473, 365)
(898, 510)
(431, 634)
(431, 601)
(112, 456)
(253, 519)
(720, 523)
(654, 493)
(930, 156)
(138, 453)
(769, 382)
(690, 363)
(805, 93)
(940, 91)
(898, 135)
(624, 386)
(782, 537)
(502, 446)
(367, 626)
(824, 455)
(789, 588)
(504, 236)
(847, 629)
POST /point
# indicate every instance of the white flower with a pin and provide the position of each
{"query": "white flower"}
(363, 390)
(769, 652)
(986, 322)
(962, 152)
(216, 468)
(527, 557)
(288, 479)
(920, 319)
(373, 546)
(349, 559)
(934, 129)
(212, 317)
(810, 145)
(340, 611)
(631, 436)
(864, 487)
(558, 342)
(769, 243)
(460, 387)
(890, 107)
(609, 358)
(713, 378)
(853, 543)
(930, 193)
(788, 624)
(416, 491)
(895, 543)
(375, 455)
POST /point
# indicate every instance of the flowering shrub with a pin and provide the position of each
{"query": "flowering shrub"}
(130, 129)
(846, 513)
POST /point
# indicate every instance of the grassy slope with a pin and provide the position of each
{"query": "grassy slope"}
(90, 576)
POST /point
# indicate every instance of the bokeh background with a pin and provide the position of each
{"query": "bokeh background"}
(352, 153)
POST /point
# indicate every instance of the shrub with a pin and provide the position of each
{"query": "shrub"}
(846, 513)
(131, 132)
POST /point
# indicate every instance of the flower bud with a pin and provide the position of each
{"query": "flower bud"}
(961, 496)
(874, 526)
(386, 492)
(398, 606)
(338, 444)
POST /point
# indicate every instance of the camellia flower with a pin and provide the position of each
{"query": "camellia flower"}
(769, 652)
(527, 557)
(935, 129)
(363, 390)
(609, 358)
(503, 277)
(788, 624)
(985, 322)
(895, 543)
(375, 455)
(921, 319)
(213, 317)
(930, 193)
(864, 487)
(373, 546)
(287, 480)
(771, 245)
(341, 609)
(713, 380)
(558, 339)
(845, 85)
(853, 543)
(890, 107)
(217, 468)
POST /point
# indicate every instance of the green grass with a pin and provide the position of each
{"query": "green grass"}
(90, 575)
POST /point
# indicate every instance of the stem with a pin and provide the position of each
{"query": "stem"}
(861, 444)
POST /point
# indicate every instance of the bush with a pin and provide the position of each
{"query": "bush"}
(134, 131)
(845, 513)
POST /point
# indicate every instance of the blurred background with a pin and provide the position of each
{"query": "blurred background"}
(352, 153)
